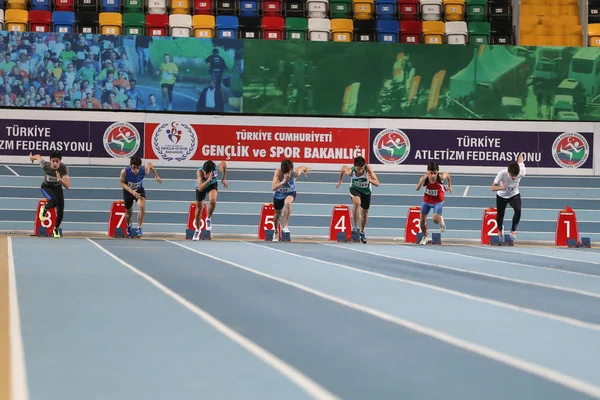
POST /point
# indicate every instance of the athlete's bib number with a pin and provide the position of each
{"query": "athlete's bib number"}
(431, 192)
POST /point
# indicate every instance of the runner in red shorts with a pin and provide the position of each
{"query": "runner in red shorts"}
(433, 198)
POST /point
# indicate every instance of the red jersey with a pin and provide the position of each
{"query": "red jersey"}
(434, 192)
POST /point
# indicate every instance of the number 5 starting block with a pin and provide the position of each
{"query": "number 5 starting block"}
(267, 221)
(49, 222)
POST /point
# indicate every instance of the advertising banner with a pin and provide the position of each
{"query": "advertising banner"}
(177, 142)
(19, 137)
(481, 148)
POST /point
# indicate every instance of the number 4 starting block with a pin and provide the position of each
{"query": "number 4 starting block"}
(47, 227)
(340, 227)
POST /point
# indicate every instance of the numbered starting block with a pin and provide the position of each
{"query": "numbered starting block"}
(495, 240)
(419, 237)
(508, 240)
(120, 233)
(269, 235)
(436, 238)
(285, 237)
(205, 235)
(586, 242)
(341, 237)
(189, 234)
(355, 237)
(44, 232)
(572, 243)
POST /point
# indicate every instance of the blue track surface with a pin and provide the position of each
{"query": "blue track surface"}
(357, 321)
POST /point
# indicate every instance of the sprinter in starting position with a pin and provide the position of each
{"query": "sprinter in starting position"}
(284, 193)
(433, 181)
(206, 177)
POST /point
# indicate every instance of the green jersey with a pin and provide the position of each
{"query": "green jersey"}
(360, 183)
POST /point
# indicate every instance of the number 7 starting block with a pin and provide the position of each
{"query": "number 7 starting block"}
(116, 219)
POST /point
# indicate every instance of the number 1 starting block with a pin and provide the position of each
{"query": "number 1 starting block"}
(566, 227)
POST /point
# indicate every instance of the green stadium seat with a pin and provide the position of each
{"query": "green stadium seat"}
(476, 10)
(134, 23)
(479, 32)
(296, 28)
(340, 9)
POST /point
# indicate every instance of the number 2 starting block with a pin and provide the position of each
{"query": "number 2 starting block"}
(47, 227)
(191, 223)
(489, 226)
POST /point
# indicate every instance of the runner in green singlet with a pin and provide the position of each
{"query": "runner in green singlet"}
(361, 179)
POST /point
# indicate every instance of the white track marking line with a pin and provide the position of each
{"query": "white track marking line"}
(544, 255)
(12, 170)
(295, 376)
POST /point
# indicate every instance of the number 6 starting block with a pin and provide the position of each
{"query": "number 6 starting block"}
(49, 222)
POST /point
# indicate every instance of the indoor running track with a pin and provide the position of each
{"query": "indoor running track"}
(151, 319)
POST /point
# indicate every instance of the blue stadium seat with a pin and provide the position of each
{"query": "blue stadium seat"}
(248, 8)
(227, 27)
(111, 6)
(385, 9)
(63, 21)
(41, 5)
(387, 30)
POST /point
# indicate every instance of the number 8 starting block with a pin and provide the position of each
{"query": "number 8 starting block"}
(48, 224)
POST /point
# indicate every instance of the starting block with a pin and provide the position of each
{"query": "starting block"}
(508, 240)
(133, 234)
(119, 233)
(355, 237)
(269, 235)
(586, 242)
(341, 237)
(495, 240)
(205, 235)
(44, 232)
(419, 237)
(189, 234)
(572, 243)
(436, 238)
(285, 237)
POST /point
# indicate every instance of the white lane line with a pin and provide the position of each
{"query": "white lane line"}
(543, 372)
(19, 388)
(12, 170)
(466, 191)
(301, 380)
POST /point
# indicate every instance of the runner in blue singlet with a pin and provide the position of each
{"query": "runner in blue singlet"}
(132, 179)
(284, 188)
(206, 184)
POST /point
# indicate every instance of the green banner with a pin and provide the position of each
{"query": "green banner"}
(421, 81)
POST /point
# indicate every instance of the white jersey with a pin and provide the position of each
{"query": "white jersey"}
(512, 188)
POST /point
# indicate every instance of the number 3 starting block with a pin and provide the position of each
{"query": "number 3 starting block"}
(49, 222)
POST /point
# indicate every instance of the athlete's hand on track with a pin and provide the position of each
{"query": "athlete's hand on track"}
(158, 180)
(338, 184)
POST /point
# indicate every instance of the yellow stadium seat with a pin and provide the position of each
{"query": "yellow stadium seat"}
(433, 32)
(363, 9)
(204, 26)
(180, 6)
(110, 23)
(16, 20)
(342, 30)
(16, 5)
(454, 10)
(594, 35)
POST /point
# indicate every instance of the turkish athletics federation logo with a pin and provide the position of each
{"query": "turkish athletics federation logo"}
(391, 146)
(121, 140)
(570, 150)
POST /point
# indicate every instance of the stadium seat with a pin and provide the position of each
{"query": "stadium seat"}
(454, 10)
(271, 8)
(87, 22)
(431, 10)
(500, 11)
(408, 9)
(181, 7)
(16, 20)
(248, 8)
(593, 11)
(87, 5)
(363, 9)
(594, 35)
(387, 31)
(40, 5)
(1, 19)
(157, 7)
(16, 5)
(227, 7)
(410, 32)
(295, 8)
(296, 28)
(204, 26)
(319, 29)
(227, 27)
(112, 6)
(342, 30)
(133, 6)
(364, 30)
(63, 5)
(339, 9)
(317, 8)
(385, 9)
(180, 25)
(456, 32)
(273, 28)
(203, 7)
(40, 20)
(476, 10)
(501, 32)
(249, 27)
(157, 24)
(479, 32)
(63, 21)
(433, 32)
(134, 24)
(110, 23)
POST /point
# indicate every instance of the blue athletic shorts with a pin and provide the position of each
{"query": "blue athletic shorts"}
(437, 208)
